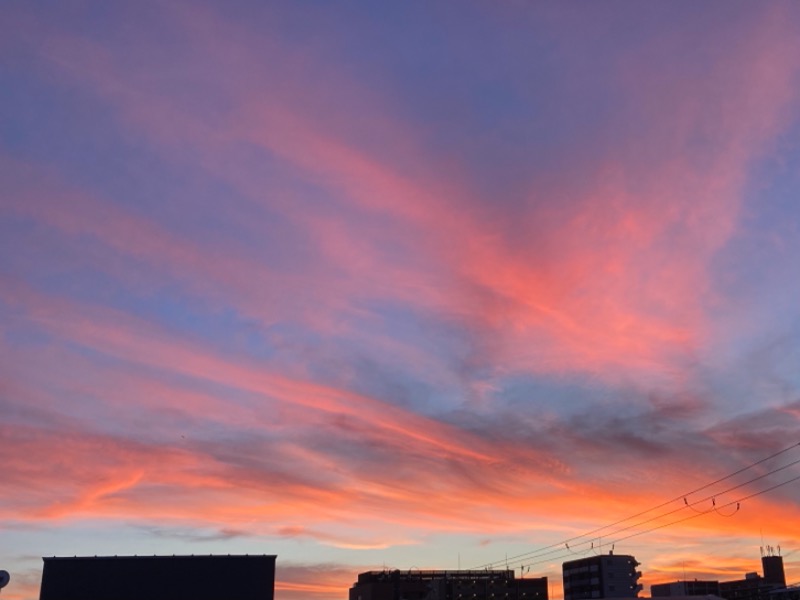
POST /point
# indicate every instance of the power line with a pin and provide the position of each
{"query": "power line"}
(714, 508)
(728, 504)
(591, 534)
(702, 500)
(675, 522)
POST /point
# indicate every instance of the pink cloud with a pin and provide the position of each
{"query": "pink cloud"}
(617, 284)
(140, 344)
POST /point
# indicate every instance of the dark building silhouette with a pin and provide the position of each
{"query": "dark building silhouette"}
(787, 593)
(749, 588)
(685, 588)
(754, 586)
(447, 585)
(159, 578)
(773, 570)
(603, 576)
(772, 586)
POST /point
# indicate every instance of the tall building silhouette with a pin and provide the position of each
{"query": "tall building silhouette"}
(772, 565)
(603, 576)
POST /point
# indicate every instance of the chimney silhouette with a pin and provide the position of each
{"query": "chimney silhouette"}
(773, 570)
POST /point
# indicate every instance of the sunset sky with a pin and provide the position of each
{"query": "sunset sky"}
(410, 285)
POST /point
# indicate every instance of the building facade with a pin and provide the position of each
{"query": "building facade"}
(447, 585)
(603, 576)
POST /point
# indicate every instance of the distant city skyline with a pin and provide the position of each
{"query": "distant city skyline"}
(597, 576)
(400, 285)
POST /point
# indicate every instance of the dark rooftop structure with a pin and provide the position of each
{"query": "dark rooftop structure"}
(685, 588)
(447, 585)
(209, 577)
(770, 586)
(754, 586)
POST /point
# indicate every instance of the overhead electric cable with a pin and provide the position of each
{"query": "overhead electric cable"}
(683, 496)
(714, 508)
(690, 517)
(709, 497)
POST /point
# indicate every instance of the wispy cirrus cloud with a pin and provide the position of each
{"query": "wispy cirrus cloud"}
(616, 268)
